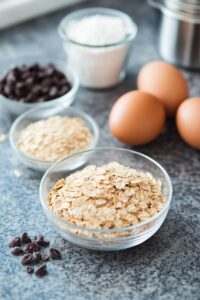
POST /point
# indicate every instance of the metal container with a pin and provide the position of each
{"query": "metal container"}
(179, 32)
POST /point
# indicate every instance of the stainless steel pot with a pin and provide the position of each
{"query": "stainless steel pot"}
(179, 32)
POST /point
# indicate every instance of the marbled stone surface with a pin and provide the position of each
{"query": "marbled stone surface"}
(167, 266)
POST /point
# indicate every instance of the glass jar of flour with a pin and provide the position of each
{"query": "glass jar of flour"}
(97, 42)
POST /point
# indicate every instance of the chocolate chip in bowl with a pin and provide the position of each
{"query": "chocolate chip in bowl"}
(29, 82)
(34, 83)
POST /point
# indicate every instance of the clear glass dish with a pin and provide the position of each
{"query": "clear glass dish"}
(105, 239)
(101, 66)
(39, 113)
(17, 108)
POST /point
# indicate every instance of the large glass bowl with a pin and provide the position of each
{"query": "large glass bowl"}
(16, 107)
(105, 239)
(37, 114)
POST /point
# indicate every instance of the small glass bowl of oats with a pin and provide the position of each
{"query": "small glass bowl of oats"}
(42, 136)
(106, 198)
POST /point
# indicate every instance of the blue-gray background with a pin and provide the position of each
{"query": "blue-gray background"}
(165, 267)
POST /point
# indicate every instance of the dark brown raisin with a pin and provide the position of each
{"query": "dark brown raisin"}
(25, 238)
(41, 271)
(27, 259)
(15, 242)
(17, 251)
(55, 254)
(30, 270)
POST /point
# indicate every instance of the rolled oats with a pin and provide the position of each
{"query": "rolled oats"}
(53, 138)
(106, 197)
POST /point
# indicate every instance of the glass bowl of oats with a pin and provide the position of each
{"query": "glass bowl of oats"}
(106, 198)
(42, 136)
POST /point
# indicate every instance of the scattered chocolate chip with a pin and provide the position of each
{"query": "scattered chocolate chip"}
(30, 270)
(55, 254)
(40, 241)
(41, 271)
(15, 242)
(44, 257)
(25, 238)
(36, 257)
(27, 259)
(31, 250)
(17, 251)
(43, 243)
(32, 247)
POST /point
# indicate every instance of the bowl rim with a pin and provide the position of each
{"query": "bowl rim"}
(98, 10)
(113, 230)
(74, 84)
(55, 110)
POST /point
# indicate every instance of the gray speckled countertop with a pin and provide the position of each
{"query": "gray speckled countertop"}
(167, 266)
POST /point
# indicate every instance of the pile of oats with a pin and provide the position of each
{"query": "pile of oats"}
(109, 196)
(53, 138)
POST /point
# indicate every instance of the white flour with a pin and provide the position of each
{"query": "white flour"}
(97, 30)
(98, 67)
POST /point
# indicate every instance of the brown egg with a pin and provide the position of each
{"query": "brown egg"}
(165, 82)
(136, 118)
(188, 121)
